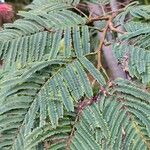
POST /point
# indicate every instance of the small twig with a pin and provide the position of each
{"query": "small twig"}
(50, 30)
(106, 15)
(81, 12)
(99, 65)
(103, 10)
(111, 62)
(109, 19)
(46, 145)
(81, 4)
(99, 51)
(98, 18)
(72, 132)
(96, 28)
(112, 28)
(121, 4)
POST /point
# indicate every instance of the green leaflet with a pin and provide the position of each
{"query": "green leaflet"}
(98, 1)
(44, 45)
(84, 79)
(45, 87)
(52, 4)
(123, 118)
(46, 131)
(95, 73)
(138, 60)
(141, 12)
(48, 100)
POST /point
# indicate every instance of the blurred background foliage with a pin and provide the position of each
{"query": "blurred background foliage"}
(20, 4)
(25, 2)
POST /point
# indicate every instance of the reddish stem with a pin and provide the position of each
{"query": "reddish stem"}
(112, 63)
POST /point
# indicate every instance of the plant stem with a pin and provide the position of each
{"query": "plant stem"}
(112, 63)
(99, 65)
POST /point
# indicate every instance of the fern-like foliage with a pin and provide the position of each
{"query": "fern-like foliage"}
(116, 121)
(135, 55)
(48, 80)
(135, 60)
(102, 2)
(120, 120)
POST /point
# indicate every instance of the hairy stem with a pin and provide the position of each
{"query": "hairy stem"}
(116, 70)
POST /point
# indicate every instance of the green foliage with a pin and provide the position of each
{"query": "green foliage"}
(98, 1)
(48, 80)
(116, 121)
(138, 60)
